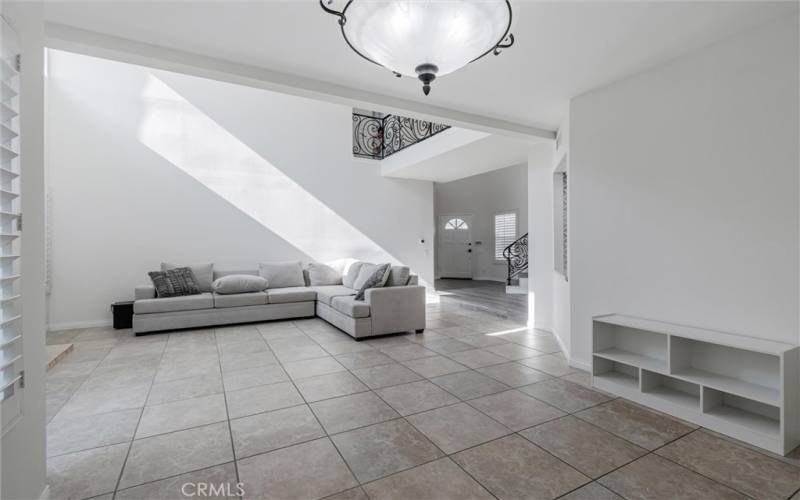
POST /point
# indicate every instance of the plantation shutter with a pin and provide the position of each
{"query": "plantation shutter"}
(11, 366)
(505, 232)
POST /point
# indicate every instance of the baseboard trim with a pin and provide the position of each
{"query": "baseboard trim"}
(74, 325)
(580, 365)
(570, 360)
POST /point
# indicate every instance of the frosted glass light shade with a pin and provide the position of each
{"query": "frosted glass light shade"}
(404, 34)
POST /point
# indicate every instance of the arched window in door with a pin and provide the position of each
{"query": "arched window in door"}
(456, 224)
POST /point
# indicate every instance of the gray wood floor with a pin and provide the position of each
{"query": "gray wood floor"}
(485, 296)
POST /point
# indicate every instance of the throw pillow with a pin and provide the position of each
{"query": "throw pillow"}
(364, 273)
(282, 274)
(203, 274)
(320, 274)
(398, 276)
(377, 280)
(239, 283)
(174, 282)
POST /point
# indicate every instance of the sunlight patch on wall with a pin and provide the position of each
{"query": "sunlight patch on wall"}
(186, 137)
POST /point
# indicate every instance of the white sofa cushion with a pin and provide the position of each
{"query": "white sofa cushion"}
(239, 283)
(230, 272)
(282, 274)
(203, 274)
(351, 307)
(171, 304)
(240, 299)
(349, 277)
(325, 294)
(322, 274)
(398, 276)
(290, 294)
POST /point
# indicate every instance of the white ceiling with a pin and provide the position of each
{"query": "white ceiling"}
(563, 49)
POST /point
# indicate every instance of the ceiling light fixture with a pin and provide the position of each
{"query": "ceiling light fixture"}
(425, 39)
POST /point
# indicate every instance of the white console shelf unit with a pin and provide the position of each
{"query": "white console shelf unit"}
(744, 387)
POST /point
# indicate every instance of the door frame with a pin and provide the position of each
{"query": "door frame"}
(439, 230)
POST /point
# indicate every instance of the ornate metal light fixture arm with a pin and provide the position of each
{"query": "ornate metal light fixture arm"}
(504, 44)
(336, 13)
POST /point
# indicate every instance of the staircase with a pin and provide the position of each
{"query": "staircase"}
(516, 255)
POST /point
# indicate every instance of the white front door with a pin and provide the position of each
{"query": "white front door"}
(455, 246)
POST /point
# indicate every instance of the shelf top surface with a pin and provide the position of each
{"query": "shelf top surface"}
(701, 334)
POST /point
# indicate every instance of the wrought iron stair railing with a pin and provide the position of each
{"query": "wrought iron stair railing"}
(378, 138)
(516, 255)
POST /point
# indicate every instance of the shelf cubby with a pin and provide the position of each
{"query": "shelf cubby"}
(671, 390)
(631, 346)
(748, 374)
(613, 374)
(738, 414)
(741, 386)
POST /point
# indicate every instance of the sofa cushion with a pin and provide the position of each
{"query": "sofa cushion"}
(171, 304)
(229, 272)
(351, 307)
(326, 293)
(365, 272)
(290, 294)
(240, 299)
(174, 282)
(203, 274)
(349, 277)
(398, 276)
(282, 274)
(239, 283)
(322, 274)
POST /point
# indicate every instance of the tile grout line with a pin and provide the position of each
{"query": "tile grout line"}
(136, 429)
(324, 430)
(227, 411)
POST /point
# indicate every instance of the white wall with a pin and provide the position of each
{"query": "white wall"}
(684, 192)
(540, 241)
(23, 470)
(482, 196)
(147, 165)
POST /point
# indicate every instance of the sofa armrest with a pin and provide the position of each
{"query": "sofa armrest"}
(144, 292)
(396, 309)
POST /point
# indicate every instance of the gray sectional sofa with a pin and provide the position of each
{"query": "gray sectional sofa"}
(399, 306)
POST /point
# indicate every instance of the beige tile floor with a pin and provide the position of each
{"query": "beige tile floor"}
(297, 409)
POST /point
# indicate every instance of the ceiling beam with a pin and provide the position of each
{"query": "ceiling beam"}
(68, 38)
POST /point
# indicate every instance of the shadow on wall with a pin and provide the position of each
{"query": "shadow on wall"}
(179, 132)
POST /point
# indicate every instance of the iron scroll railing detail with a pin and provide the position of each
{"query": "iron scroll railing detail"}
(516, 255)
(367, 136)
(379, 138)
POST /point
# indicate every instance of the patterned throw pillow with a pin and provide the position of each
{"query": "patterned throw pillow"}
(174, 282)
(377, 280)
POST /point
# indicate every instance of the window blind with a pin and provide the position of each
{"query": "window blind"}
(505, 232)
